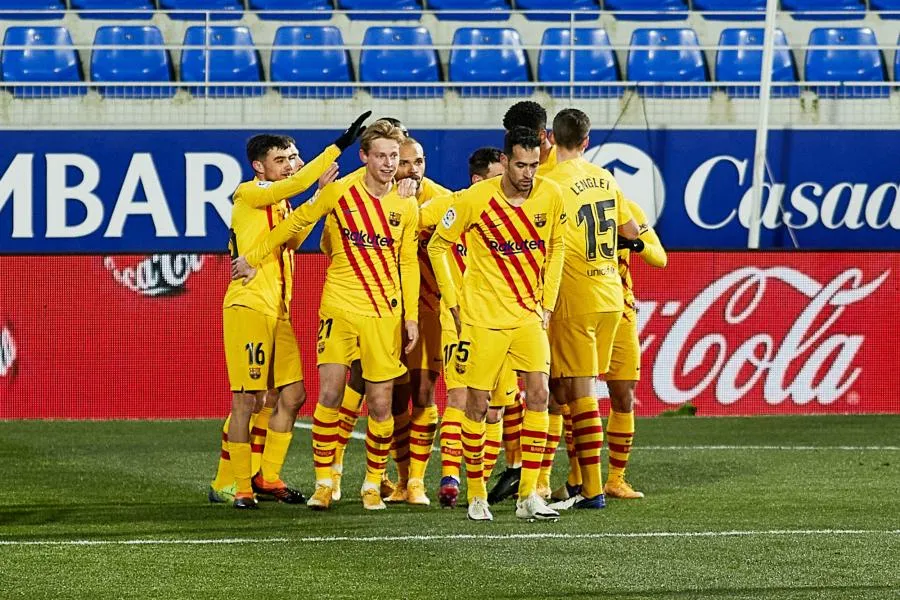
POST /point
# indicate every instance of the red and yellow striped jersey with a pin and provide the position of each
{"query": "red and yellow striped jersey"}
(430, 215)
(596, 207)
(259, 206)
(515, 253)
(653, 254)
(373, 248)
(429, 298)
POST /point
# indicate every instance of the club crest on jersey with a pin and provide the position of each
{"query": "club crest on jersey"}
(394, 219)
(460, 368)
(540, 219)
(320, 348)
(255, 373)
(449, 218)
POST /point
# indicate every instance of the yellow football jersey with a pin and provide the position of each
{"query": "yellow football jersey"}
(373, 248)
(548, 165)
(596, 207)
(430, 214)
(653, 254)
(515, 253)
(429, 298)
(259, 206)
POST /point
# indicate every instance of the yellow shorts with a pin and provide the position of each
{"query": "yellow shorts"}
(581, 346)
(452, 376)
(507, 388)
(482, 352)
(626, 354)
(344, 336)
(261, 352)
(427, 353)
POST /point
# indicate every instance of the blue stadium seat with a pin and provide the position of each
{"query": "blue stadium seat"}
(402, 65)
(132, 66)
(224, 9)
(572, 5)
(384, 10)
(739, 64)
(746, 10)
(111, 9)
(489, 64)
(461, 10)
(316, 10)
(686, 64)
(50, 65)
(860, 64)
(667, 10)
(886, 5)
(841, 9)
(596, 64)
(329, 65)
(233, 65)
(19, 10)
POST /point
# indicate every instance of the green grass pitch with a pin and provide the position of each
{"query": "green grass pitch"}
(761, 508)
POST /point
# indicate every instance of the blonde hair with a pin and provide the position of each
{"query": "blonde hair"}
(380, 129)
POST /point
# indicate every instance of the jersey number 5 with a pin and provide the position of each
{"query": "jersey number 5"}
(593, 216)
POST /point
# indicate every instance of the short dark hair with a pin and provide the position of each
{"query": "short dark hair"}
(570, 127)
(520, 136)
(481, 160)
(259, 145)
(526, 114)
(396, 123)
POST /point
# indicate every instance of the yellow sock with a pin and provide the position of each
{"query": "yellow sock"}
(324, 440)
(620, 429)
(277, 444)
(224, 474)
(451, 444)
(587, 430)
(240, 464)
(574, 478)
(493, 434)
(534, 438)
(378, 446)
(512, 428)
(348, 415)
(421, 438)
(400, 445)
(473, 450)
(554, 432)
(259, 425)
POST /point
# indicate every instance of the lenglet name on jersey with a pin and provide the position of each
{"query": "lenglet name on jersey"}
(589, 183)
(366, 240)
(512, 247)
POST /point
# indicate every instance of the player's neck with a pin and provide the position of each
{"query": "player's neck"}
(375, 187)
(512, 193)
(562, 154)
(546, 149)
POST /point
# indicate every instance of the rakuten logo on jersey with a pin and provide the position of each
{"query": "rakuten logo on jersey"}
(362, 239)
(843, 205)
(513, 247)
(156, 275)
(749, 331)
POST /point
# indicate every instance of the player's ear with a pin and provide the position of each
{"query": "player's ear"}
(257, 166)
(504, 160)
(363, 157)
(552, 138)
(586, 142)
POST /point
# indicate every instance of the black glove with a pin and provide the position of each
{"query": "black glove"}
(635, 245)
(353, 132)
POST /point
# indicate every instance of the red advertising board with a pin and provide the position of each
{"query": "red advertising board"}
(91, 337)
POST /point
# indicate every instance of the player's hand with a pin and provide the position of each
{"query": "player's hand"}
(240, 268)
(353, 132)
(546, 320)
(407, 188)
(635, 245)
(454, 310)
(329, 175)
(412, 334)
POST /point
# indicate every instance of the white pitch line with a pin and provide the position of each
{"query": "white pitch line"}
(361, 436)
(458, 537)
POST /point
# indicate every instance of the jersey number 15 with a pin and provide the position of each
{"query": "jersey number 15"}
(597, 226)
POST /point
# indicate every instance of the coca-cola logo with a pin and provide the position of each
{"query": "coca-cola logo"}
(7, 352)
(811, 362)
(156, 275)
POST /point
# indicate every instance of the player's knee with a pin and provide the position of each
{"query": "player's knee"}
(243, 403)
(292, 398)
(494, 415)
(477, 405)
(330, 396)
(537, 399)
(425, 394)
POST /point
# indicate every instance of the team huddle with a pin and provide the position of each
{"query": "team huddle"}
(519, 282)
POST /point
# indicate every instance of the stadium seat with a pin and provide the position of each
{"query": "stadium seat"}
(19, 10)
(738, 64)
(462, 10)
(233, 65)
(858, 64)
(220, 10)
(652, 64)
(666, 10)
(596, 64)
(315, 10)
(579, 6)
(841, 10)
(132, 66)
(746, 10)
(50, 65)
(886, 5)
(383, 10)
(111, 9)
(402, 65)
(329, 65)
(489, 64)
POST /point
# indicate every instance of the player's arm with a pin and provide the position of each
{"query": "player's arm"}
(409, 275)
(628, 226)
(553, 263)
(266, 193)
(431, 212)
(653, 253)
(448, 231)
(298, 238)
